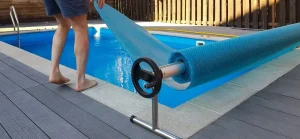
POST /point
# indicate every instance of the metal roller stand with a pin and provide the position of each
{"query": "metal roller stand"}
(154, 80)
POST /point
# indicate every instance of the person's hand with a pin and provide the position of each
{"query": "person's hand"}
(100, 3)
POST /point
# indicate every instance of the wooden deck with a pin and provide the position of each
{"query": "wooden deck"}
(273, 113)
(32, 108)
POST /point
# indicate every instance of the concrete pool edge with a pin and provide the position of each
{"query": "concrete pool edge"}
(185, 120)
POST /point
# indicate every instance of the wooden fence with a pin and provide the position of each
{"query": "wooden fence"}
(142, 10)
(33, 11)
(234, 13)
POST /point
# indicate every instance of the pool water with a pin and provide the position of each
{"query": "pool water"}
(108, 61)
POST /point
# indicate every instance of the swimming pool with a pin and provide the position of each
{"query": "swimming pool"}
(108, 61)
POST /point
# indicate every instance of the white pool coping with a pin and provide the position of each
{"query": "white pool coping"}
(186, 119)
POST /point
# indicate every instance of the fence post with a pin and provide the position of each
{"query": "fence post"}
(169, 11)
(231, 12)
(164, 10)
(211, 12)
(204, 18)
(246, 13)
(217, 12)
(178, 12)
(173, 11)
(264, 17)
(183, 12)
(238, 13)
(254, 10)
(188, 11)
(224, 13)
(193, 12)
(293, 11)
(199, 12)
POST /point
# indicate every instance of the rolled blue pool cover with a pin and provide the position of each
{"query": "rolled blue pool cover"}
(207, 65)
(213, 61)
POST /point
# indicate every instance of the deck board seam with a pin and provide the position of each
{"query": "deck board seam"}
(277, 94)
(5, 130)
(231, 130)
(65, 100)
(86, 112)
(258, 127)
(37, 100)
(25, 113)
(276, 110)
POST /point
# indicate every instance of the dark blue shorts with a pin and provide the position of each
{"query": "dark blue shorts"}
(68, 8)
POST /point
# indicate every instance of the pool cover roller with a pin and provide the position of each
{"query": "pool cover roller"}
(206, 63)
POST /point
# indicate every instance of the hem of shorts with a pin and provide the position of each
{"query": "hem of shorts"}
(77, 14)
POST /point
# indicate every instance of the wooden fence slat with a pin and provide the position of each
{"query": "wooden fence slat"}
(178, 12)
(204, 17)
(224, 12)
(217, 12)
(130, 7)
(156, 10)
(199, 12)
(298, 10)
(143, 10)
(238, 13)
(273, 3)
(231, 12)
(293, 11)
(160, 19)
(183, 12)
(147, 7)
(282, 11)
(141, 16)
(246, 13)
(169, 11)
(264, 17)
(173, 11)
(254, 10)
(164, 10)
(211, 12)
(188, 11)
(193, 12)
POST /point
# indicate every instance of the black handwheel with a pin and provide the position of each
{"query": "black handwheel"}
(154, 78)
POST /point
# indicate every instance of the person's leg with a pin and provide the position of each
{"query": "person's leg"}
(79, 24)
(59, 40)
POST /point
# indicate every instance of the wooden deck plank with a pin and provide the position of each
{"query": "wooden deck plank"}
(280, 98)
(52, 124)
(7, 86)
(284, 87)
(104, 113)
(275, 105)
(2, 55)
(263, 122)
(16, 123)
(245, 129)
(217, 132)
(26, 70)
(3, 133)
(270, 113)
(89, 125)
(18, 78)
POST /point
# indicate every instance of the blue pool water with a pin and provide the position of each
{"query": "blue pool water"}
(108, 61)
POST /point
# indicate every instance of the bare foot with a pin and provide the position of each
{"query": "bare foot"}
(57, 78)
(86, 85)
